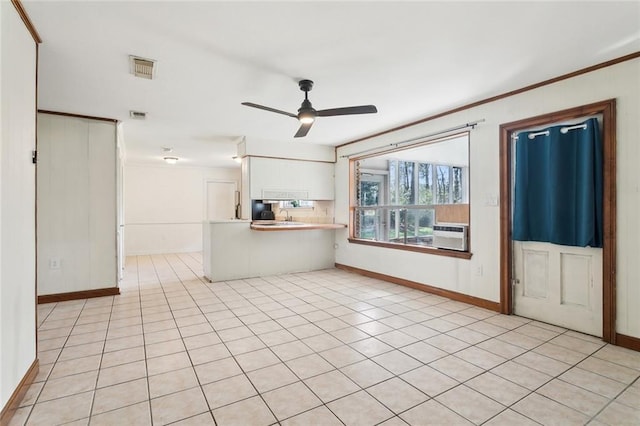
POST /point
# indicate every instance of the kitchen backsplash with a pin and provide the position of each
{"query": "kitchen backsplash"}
(322, 212)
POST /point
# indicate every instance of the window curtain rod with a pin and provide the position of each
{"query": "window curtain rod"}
(563, 130)
(423, 138)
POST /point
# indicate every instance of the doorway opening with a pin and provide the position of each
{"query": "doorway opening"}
(222, 199)
(606, 110)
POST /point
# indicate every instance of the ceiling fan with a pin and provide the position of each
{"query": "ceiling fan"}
(307, 114)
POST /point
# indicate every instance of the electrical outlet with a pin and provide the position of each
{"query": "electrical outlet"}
(479, 270)
(491, 200)
(54, 263)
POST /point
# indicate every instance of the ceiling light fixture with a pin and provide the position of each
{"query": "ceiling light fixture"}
(306, 117)
(237, 159)
(171, 160)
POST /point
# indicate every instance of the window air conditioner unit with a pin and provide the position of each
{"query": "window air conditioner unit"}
(450, 236)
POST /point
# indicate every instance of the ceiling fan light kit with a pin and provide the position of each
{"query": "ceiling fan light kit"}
(307, 114)
(306, 117)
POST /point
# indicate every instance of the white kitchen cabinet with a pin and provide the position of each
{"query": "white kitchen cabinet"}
(276, 178)
(320, 180)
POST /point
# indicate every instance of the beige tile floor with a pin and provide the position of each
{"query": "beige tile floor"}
(319, 348)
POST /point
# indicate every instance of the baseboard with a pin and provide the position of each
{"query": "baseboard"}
(16, 397)
(453, 295)
(628, 342)
(74, 295)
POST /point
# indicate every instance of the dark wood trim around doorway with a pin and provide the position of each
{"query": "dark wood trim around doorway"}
(68, 114)
(608, 110)
(75, 295)
(27, 21)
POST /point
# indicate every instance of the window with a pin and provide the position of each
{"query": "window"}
(296, 204)
(399, 196)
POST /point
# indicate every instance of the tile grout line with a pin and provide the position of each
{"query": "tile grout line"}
(193, 366)
(285, 364)
(190, 357)
(543, 342)
(104, 344)
(46, 379)
(612, 400)
(300, 380)
(338, 369)
(144, 343)
(366, 358)
(310, 292)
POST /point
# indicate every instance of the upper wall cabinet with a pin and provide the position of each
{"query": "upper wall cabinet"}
(281, 179)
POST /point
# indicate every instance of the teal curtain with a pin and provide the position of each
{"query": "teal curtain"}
(558, 185)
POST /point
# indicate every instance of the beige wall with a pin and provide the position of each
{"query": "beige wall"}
(164, 206)
(620, 81)
(17, 201)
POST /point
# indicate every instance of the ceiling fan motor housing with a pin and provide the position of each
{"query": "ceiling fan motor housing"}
(305, 85)
(306, 113)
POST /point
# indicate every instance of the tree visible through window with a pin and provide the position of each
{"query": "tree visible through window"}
(443, 189)
(425, 184)
(369, 193)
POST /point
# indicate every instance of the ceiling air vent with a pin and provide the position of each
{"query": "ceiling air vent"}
(141, 67)
(138, 115)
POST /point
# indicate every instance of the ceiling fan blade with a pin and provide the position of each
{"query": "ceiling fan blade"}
(266, 108)
(303, 130)
(362, 109)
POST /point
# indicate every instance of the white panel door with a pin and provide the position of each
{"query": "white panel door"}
(221, 200)
(560, 285)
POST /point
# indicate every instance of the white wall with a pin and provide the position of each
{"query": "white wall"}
(164, 206)
(621, 82)
(76, 197)
(17, 201)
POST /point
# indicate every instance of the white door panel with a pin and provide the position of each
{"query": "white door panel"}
(221, 200)
(535, 266)
(559, 285)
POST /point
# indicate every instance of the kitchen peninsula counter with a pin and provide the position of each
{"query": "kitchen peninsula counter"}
(270, 225)
(235, 249)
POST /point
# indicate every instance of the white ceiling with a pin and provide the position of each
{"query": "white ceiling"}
(410, 59)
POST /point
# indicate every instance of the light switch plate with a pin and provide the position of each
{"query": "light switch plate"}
(491, 200)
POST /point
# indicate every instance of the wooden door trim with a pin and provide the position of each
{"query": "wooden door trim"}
(27, 21)
(608, 110)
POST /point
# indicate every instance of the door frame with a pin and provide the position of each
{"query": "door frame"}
(207, 181)
(607, 109)
(383, 180)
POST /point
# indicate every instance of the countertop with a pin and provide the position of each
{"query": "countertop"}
(271, 225)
